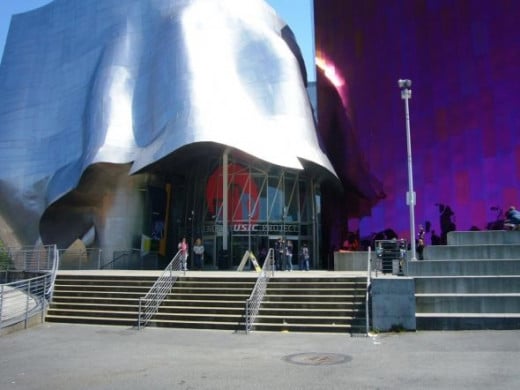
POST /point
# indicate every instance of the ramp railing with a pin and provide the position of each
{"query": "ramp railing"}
(257, 295)
(29, 283)
(368, 292)
(149, 304)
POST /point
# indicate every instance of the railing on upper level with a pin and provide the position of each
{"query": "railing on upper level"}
(149, 304)
(28, 283)
(111, 258)
(257, 295)
(368, 291)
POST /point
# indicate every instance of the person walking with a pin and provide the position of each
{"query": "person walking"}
(305, 258)
(421, 243)
(288, 256)
(198, 254)
(183, 248)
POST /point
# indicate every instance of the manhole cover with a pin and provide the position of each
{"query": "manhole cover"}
(317, 359)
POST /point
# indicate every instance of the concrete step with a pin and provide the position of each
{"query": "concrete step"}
(305, 304)
(91, 320)
(315, 305)
(201, 316)
(311, 290)
(304, 320)
(312, 312)
(180, 296)
(463, 267)
(484, 237)
(467, 284)
(195, 303)
(129, 315)
(208, 325)
(491, 252)
(314, 328)
(467, 303)
(312, 299)
(216, 290)
(467, 321)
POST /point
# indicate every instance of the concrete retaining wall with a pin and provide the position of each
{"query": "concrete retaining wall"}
(350, 261)
(393, 304)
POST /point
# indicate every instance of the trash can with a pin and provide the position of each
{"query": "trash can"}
(390, 254)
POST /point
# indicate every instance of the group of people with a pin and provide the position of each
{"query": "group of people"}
(283, 250)
(512, 221)
(283, 255)
(198, 254)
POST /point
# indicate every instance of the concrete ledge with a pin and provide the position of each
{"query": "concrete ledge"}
(467, 321)
(463, 267)
(472, 252)
(468, 284)
(350, 261)
(468, 303)
(488, 237)
(393, 304)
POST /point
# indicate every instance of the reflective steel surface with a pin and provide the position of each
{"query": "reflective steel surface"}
(84, 82)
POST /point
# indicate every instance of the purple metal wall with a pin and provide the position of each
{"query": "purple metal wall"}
(463, 58)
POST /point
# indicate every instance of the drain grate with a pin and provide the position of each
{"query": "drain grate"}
(317, 359)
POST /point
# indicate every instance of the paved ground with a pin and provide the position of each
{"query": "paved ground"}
(57, 356)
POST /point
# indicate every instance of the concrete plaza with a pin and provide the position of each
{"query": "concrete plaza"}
(64, 356)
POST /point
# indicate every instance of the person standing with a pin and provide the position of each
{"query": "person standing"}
(288, 256)
(420, 243)
(198, 254)
(305, 258)
(183, 249)
(512, 218)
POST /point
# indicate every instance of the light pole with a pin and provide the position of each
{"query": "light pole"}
(192, 227)
(406, 94)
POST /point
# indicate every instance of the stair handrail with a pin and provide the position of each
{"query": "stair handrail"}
(257, 295)
(149, 303)
(368, 291)
(25, 297)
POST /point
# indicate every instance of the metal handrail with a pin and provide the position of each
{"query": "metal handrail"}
(24, 298)
(123, 255)
(149, 304)
(97, 258)
(257, 295)
(369, 290)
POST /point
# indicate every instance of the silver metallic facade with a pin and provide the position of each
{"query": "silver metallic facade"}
(99, 99)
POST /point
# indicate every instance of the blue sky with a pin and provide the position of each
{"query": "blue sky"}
(297, 13)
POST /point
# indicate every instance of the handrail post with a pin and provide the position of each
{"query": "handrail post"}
(44, 301)
(139, 315)
(27, 303)
(1, 303)
(369, 286)
(247, 315)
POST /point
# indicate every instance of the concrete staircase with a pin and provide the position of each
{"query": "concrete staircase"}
(471, 283)
(205, 303)
(98, 299)
(334, 304)
(315, 304)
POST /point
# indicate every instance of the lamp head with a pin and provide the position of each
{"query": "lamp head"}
(404, 83)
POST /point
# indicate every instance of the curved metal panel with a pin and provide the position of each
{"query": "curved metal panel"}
(86, 82)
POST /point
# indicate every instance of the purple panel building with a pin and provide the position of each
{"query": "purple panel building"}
(463, 60)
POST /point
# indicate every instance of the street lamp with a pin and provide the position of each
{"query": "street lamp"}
(192, 228)
(406, 94)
